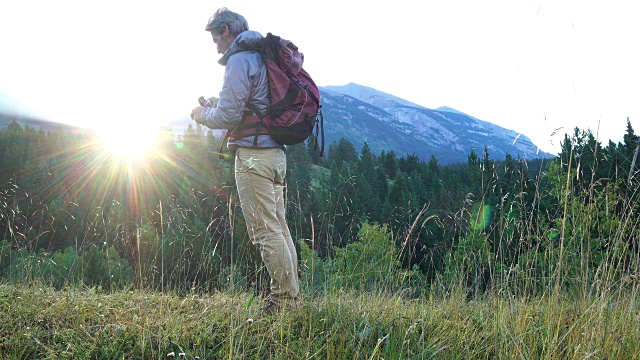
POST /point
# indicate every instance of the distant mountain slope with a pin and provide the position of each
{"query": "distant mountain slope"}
(10, 106)
(11, 110)
(386, 122)
(45, 125)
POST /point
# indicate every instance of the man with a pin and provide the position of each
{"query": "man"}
(260, 162)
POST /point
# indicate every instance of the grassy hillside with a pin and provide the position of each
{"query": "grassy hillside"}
(39, 322)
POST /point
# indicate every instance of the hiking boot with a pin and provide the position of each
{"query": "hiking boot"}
(270, 308)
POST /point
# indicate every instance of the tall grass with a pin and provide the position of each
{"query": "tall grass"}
(567, 290)
(85, 323)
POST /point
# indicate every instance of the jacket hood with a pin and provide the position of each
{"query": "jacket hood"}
(246, 41)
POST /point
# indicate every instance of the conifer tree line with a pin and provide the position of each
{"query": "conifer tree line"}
(71, 212)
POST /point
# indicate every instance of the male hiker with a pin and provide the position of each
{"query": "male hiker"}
(260, 161)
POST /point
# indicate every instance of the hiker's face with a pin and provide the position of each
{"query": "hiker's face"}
(222, 40)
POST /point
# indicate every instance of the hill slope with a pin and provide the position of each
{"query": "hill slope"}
(387, 122)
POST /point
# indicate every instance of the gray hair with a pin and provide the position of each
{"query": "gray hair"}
(235, 22)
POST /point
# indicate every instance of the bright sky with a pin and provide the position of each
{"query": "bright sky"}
(530, 66)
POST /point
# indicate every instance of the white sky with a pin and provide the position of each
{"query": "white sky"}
(514, 63)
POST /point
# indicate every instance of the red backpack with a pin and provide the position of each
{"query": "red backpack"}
(295, 99)
(295, 108)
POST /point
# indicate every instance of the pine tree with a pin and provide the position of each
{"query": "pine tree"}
(487, 173)
(397, 208)
(381, 187)
(630, 140)
(14, 127)
(632, 148)
(474, 171)
(342, 152)
(366, 186)
(190, 137)
(409, 164)
(390, 164)
(433, 165)
(367, 165)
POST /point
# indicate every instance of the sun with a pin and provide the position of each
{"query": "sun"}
(128, 143)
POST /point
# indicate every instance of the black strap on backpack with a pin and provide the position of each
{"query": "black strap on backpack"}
(225, 141)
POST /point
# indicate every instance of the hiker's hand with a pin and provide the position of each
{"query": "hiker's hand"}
(213, 101)
(196, 114)
(209, 102)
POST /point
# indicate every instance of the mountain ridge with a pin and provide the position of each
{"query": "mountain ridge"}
(408, 128)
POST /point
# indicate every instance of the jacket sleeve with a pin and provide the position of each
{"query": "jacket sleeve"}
(233, 96)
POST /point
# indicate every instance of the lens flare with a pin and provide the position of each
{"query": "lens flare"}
(128, 144)
(483, 217)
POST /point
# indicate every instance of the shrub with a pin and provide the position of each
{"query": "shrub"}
(370, 263)
(105, 268)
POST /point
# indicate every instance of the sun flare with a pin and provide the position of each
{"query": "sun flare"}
(131, 144)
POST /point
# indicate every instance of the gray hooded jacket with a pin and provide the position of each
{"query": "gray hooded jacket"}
(245, 82)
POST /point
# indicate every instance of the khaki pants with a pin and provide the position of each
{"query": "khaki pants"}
(260, 177)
